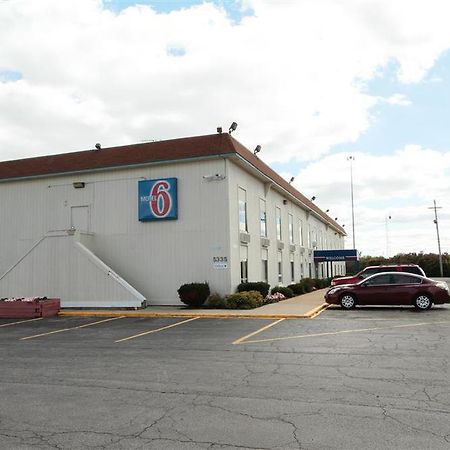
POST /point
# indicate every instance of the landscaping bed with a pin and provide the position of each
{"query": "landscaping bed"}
(29, 307)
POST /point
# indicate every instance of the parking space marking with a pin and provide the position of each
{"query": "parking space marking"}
(156, 330)
(260, 330)
(71, 328)
(334, 333)
(21, 321)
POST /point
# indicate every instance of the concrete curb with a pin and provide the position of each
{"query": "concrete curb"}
(204, 315)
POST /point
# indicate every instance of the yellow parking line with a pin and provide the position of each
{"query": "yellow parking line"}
(72, 328)
(21, 321)
(238, 341)
(334, 333)
(155, 331)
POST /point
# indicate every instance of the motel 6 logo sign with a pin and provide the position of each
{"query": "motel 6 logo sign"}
(158, 199)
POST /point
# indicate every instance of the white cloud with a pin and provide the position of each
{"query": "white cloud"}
(402, 185)
(399, 100)
(292, 76)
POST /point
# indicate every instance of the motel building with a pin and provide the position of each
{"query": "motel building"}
(127, 226)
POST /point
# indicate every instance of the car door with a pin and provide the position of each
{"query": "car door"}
(403, 288)
(375, 290)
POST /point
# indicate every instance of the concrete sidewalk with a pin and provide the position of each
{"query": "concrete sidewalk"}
(304, 306)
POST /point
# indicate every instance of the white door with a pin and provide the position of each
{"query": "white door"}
(79, 218)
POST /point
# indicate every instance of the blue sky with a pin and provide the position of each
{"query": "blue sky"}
(234, 9)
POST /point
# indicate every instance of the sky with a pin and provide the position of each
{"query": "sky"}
(311, 81)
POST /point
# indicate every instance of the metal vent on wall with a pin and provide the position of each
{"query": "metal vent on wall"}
(265, 242)
(244, 237)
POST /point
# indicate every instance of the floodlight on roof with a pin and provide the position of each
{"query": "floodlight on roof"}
(291, 180)
(219, 130)
(313, 198)
(233, 127)
(98, 146)
(257, 149)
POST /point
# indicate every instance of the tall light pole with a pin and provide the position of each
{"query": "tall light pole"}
(437, 232)
(351, 159)
(387, 235)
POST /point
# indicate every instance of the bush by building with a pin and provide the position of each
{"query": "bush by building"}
(287, 292)
(260, 286)
(194, 294)
(244, 300)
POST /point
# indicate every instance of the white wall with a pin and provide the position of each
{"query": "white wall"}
(255, 189)
(155, 258)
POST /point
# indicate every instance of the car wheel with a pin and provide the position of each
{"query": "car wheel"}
(348, 301)
(422, 302)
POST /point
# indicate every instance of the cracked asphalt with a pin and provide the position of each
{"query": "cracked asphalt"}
(370, 378)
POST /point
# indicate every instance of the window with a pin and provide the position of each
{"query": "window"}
(242, 210)
(244, 263)
(291, 228)
(292, 268)
(300, 231)
(381, 279)
(263, 217)
(265, 265)
(280, 267)
(309, 236)
(405, 279)
(278, 220)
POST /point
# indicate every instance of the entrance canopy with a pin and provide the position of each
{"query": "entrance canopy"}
(335, 255)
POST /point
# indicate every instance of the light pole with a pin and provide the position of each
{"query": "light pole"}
(387, 234)
(437, 232)
(351, 159)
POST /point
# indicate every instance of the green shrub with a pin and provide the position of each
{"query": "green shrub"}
(244, 300)
(323, 283)
(194, 294)
(215, 301)
(308, 284)
(260, 286)
(297, 288)
(288, 293)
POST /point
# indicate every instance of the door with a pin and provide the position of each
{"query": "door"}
(375, 291)
(80, 218)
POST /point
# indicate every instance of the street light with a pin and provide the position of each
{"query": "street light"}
(387, 218)
(351, 159)
(437, 232)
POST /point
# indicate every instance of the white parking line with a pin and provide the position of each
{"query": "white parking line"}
(155, 331)
(72, 328)
(21, 321)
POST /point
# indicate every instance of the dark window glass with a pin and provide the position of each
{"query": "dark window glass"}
(368, 272)
(405, 279)
(387, 269)
(381, 279)
(415, 270)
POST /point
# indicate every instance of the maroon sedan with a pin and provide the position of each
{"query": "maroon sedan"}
(390, 289)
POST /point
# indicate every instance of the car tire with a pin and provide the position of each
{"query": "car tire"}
(348, 301)
(422, 302)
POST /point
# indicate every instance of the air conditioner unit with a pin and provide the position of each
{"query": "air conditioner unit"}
(292, 248)
(265, 242)
(302, 250)
(244, 237)
(280, 245)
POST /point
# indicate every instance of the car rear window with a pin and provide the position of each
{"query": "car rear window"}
(405, 279)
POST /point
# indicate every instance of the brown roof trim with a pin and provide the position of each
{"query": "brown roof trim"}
(188, 148)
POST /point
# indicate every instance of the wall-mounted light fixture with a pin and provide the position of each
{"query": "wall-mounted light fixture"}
(284, 202)
(78, 184)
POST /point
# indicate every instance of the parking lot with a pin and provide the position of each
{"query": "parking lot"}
(367, 378)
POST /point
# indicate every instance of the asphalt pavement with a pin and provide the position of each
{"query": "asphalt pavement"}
(370, 378)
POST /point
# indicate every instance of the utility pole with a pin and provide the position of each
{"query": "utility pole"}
(351, 159)
(437, 232)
